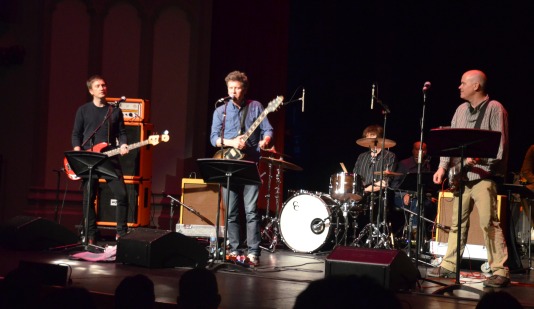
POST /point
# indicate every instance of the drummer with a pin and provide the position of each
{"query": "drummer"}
(408, 199)
(369, 162)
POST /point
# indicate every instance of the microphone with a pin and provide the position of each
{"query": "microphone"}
(228, 98)
(426, 86)
(302, 98)
(118, 102)
(373, 96)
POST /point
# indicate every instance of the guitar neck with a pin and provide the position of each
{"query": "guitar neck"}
(255, 125)
(117, 151)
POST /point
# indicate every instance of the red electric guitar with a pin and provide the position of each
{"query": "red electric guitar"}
(152, 140)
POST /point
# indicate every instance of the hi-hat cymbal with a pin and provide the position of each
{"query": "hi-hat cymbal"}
(274, 152)
(375, 142)
(388, 173)
(282, 163)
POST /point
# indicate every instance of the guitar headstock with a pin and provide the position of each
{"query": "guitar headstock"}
(155, 139)
(275, 104)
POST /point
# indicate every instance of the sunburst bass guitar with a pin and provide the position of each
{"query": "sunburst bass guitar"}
(236, 154)
(152, 140)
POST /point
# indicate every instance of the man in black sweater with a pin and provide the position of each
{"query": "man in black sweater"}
(100, 126)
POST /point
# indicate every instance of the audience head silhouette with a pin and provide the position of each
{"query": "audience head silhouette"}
(135, 292)
(198, 289)
(498, 299)
(346, 292)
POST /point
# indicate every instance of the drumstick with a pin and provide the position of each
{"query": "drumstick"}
(343, 167)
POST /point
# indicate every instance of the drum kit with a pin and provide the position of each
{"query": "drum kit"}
(311, 222)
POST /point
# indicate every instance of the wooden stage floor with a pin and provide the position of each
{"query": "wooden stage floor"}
(276, 283)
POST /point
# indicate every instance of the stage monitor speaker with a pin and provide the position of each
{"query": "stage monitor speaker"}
(474, 236)
(202, 197)
(160, 248)
(34, 233)
(392, 269)
(138, 162)
(139, 195)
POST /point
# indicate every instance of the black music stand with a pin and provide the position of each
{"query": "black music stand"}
(221, 171)
(462, 143)
(90, 166)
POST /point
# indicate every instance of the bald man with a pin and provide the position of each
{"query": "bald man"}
(480, 112)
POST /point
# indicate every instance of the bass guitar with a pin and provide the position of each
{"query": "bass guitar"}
(236, 154)
(457, 173)
(152, 140)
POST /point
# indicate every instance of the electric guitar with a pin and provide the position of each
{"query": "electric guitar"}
(234, 153)
(152, 140)
(457, 173)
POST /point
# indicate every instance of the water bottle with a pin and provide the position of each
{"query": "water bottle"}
(213, 243)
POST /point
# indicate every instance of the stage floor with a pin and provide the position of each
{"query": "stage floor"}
(276, 283)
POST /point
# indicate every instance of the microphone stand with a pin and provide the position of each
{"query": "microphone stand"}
(382, 201)
(222, 132)
(419, 235)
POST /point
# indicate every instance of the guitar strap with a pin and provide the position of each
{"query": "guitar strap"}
(243, 116)
(481, 114)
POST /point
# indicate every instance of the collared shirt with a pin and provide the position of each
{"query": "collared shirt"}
(366, 165)
(495, 119)
(232, 126)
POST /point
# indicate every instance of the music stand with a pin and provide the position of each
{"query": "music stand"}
(89, 166)
(462, 143)
(221, 171)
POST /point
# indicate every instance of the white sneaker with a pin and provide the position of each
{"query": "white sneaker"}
(253, 259)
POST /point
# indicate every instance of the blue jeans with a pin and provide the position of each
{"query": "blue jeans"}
(250, 198)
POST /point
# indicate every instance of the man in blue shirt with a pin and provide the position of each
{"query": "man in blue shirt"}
(232, 121)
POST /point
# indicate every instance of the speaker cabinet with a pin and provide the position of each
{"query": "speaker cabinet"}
(203, 197)
(139, 195)
(160, 248)
(34, 233)
(393, 269)
(475, 247)
(138, 162)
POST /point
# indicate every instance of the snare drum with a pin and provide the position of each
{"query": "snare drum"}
(346, 187)
(307, 222)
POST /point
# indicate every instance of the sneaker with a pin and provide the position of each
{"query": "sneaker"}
(497, 281)
(253, 259)
(440, 272)
(232, 256)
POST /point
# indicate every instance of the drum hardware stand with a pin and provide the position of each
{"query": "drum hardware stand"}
(272, 228)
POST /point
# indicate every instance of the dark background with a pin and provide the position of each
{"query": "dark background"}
(338, 49)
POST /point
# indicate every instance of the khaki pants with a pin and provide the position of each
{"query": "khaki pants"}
(483, 193)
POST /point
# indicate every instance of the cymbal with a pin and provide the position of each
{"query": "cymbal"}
(274, 152)
(282, 163)
(389, 173)
(372, 142)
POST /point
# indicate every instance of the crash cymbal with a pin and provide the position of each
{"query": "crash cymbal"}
(273, 151)
(372, 142)
(282, 163)
(389, 173)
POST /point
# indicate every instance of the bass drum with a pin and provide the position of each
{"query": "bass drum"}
(307, 223)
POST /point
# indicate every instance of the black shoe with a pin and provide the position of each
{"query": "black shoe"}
(440, 272)
(497, 281)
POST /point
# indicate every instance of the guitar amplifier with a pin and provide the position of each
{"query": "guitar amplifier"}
(475, 247)
(134, 110)
(203, 198)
